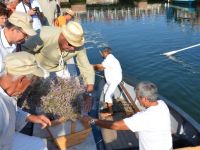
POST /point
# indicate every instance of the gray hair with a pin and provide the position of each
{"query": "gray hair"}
(147, 89)
(15, 77)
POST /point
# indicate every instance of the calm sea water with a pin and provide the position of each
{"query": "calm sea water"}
(139, 34)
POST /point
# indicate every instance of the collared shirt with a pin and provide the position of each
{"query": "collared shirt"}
(12, 119)
(9, 48)
(6, 48)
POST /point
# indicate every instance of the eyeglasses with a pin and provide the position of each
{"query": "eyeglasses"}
(25, 35)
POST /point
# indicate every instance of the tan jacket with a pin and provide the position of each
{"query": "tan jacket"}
(47, 52)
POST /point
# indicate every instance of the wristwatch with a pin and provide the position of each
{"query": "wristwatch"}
(92, 122)
(89, 94)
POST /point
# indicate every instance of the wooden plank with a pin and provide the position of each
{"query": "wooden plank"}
(73, 127)
(129, 97)
(72, 139)
(116, 140)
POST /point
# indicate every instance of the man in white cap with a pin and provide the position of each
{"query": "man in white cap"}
(16, 30)
(53, 46)
(19, 70)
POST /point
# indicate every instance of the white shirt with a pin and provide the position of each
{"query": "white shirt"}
(112, 71)
(36, 21)
(12, 119)
(5, 49)
(153, 126)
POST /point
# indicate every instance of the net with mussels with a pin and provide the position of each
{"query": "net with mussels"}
(58, 98)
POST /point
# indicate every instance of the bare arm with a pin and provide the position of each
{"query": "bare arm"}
(98, 67)
(114, 125)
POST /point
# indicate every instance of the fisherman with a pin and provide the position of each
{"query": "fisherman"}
(16, 30)
(113, 75)
(20, 69)
(53, 46)
(153, 124)
(62, 20)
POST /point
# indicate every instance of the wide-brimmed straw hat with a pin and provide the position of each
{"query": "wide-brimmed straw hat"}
(22, 20)
(73, 32)
(22, 63)
(70, 12)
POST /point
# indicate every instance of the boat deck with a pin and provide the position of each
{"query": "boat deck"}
(119, 140)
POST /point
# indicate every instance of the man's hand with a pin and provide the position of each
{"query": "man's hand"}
(98, 67)
(90, 88)
(41, 119)
(31, 12)
(87, 119)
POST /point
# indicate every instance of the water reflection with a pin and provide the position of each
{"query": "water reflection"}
(174, 13)
(182, 14)
(90, 2)
(138, 33)
(107, 13)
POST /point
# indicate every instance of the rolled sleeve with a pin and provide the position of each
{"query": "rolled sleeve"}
(20, 119)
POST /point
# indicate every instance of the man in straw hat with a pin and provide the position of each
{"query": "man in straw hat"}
(16, 30)
(62, 20)
(53, 46)
(20, 68)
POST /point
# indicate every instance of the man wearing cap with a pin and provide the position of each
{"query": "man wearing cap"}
(18, 75)
(16, 30)
(53, 46)
(62, 20)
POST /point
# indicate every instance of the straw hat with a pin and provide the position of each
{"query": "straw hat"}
(22, 63)
(22, 20)
(73, 32)
(70, 12)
